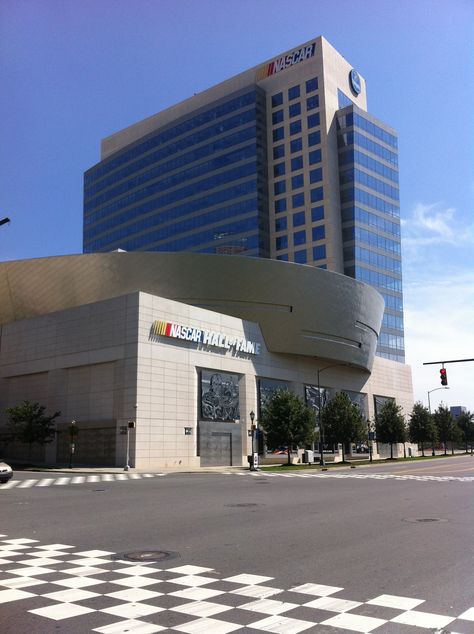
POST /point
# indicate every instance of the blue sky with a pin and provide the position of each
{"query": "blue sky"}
(75, 71)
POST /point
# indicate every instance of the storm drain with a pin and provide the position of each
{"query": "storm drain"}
(150, 556)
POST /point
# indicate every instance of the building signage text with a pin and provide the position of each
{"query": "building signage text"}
(300, 55)
(205, 337)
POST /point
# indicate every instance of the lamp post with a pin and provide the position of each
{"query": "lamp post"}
(252, 427)
(320, 421)
(369, 439)
(429, 409)
(72, 445)
(130, 425)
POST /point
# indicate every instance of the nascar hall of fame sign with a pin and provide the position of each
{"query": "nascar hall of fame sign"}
(305, 52)
(204, 337)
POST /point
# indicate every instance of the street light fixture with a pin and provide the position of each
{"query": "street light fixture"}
(320, 421)
(252, 428)
(429, 408)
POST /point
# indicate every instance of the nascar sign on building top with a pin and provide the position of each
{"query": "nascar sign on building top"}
(279, 64)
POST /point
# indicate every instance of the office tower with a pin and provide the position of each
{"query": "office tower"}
(282, 161)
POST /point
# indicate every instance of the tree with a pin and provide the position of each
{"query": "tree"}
(421, 427)
(28, 424)
(445, 425)
(287, 420)
(465, 423)
(343, 421)
(390, 424)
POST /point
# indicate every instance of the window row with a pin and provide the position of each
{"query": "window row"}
(356, 157)
(394, 302)
(296, 164)
(299, 219)
(391, 341)
(300, 257)
(169, 182)
(379, 280)
(171, 133)
(295, 109)
(355, 138)
(315, 176)
(294, 92)
(212, 182)
(295, 127)
(377, 260)
(392, 321)
(185, 208)
(351, 175)
(355, 194)
(171, 149)
(178, 226)
(372, 220)
(371, 238)
(356, 120)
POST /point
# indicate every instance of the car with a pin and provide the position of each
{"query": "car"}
(6, 472)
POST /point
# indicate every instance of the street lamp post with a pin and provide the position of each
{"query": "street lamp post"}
(130, 425)
(429, 409)
(320, 421)
(72, 445)
(252, 428)
(369, 439)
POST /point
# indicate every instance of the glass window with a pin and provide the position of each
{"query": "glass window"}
(295, 127)
(277, 99)
(293, 92)
(277, 116)
(281, 243)
(314, 138)
(280, 205)
(319, 253)
(278, 134)
(278, 151)
(296, 145)
(283, 257)
(297, 181)
(312, 102)
(279, 169)
(301, 257)
(312, 84)
(318, 233)
(296, 163)
(315, 157)
(281, 224)
(298, 200)
(295, 109)
(298, 219)
(317, 194)
(299, 238)
(313, 120)
(279, 188)
(316, 175)
(317, 213)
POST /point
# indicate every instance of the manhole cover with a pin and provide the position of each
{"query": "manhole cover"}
(147, 555)
(417, 520)
(242, 505)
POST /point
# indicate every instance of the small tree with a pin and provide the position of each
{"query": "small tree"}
(465, 423)
(343, 421)
(445, 425)
(421, 427)
(390, 425)
(28, 424)
(287, 420)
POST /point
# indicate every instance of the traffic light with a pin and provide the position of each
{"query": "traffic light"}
(443, 376)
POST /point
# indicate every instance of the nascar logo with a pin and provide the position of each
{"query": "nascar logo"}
(206, 337)
(286, 61)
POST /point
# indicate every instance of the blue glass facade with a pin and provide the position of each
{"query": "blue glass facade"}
(199, 184)
(370, 211)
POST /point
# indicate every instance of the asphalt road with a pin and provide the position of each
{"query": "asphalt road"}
(384, 529)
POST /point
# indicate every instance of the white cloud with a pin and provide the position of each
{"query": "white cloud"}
(436, 224)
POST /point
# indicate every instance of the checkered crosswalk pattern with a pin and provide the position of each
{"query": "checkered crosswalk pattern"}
(358, 476)
(77, 479)
(57, 586)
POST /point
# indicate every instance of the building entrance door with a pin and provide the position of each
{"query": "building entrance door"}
(220, 444)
